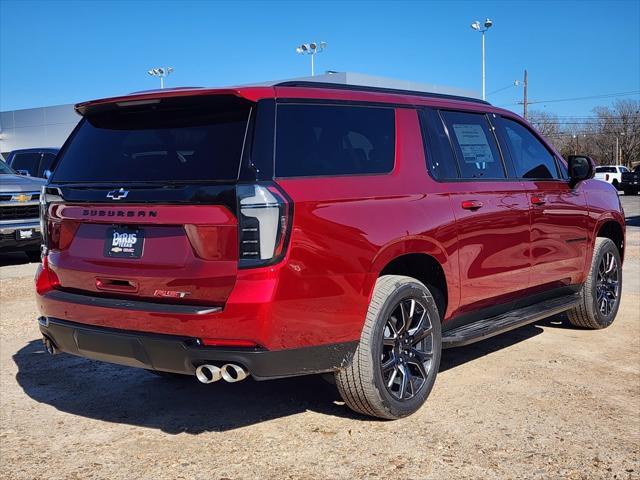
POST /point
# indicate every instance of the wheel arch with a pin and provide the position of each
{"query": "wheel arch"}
(612, 229)
(425, 261)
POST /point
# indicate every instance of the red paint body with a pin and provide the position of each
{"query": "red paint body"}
(496, 241)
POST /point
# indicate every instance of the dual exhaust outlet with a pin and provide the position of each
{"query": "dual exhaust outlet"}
(229, 372)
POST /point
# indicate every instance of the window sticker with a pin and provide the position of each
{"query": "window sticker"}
(473, 143)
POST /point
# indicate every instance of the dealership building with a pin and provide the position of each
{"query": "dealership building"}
(50, 126)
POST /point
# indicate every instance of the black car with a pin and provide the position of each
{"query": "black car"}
(631, 181)
(32, 161)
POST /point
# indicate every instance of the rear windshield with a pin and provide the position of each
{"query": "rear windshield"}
(606, 169)
(170, 145)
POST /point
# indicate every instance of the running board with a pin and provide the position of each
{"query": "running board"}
(488, 327)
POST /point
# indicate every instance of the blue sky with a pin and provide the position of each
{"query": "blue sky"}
(54, 52)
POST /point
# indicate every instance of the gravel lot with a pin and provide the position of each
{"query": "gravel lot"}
(543, 401)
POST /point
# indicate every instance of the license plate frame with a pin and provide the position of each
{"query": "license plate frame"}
(124, 242)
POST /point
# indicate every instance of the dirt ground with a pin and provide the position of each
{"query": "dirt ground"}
(543, 401)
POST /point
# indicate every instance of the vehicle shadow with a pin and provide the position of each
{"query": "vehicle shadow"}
(633, 221)
(454, 357)
(114, 393)
(13, 258)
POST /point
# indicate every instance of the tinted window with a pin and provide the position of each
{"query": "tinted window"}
(440, 159)
(45, 164)
(475, 145)
(173, 145)
(316, 140)
(530, 157)
(605, 169)
(624, 170)
(26, 161)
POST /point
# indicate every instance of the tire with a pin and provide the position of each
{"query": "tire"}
(616, 184)
(599, 287)
(402, 312)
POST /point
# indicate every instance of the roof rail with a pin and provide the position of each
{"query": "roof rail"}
(366, 88)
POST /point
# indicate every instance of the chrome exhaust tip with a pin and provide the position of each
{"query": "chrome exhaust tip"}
(49, 346)
(208, 373)
(233, 373)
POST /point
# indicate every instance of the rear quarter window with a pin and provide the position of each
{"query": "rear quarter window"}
(321, 140)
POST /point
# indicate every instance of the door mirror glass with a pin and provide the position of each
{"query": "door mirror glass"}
(47, 173)
(580, 168)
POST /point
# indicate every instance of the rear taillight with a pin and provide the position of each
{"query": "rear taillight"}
(606, 177)
(58, 233)
(49, 227)
(264, 222)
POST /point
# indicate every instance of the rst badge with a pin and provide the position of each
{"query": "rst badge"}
(124, 242)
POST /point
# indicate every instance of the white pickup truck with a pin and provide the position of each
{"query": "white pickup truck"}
(611, 174)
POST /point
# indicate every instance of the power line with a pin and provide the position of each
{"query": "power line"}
(605, 95)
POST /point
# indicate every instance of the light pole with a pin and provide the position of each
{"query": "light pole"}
(311, 49)
(478, 27)
(161, 72)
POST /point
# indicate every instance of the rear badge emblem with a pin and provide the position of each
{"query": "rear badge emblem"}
(170, 294)
(118, 194)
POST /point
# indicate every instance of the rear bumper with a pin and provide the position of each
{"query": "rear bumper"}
(178, 354)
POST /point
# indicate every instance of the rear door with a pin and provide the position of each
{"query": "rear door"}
(148, 202)
(559, 213)
(492, 214)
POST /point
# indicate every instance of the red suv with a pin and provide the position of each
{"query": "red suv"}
(311, 228)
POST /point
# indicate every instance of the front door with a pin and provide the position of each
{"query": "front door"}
(559, 214)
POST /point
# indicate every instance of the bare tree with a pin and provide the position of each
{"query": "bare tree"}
(546, 123)
(597, 137)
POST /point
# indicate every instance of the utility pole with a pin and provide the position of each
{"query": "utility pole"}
(524, 100)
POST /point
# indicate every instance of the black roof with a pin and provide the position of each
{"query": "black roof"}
(366, 88)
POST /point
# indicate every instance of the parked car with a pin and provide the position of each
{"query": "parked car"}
(307, 228)
(32, 161)
(630, 182)
(19, 212)
(611, 174)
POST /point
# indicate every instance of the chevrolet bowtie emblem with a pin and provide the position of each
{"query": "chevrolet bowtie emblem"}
(118, 194)
(21, 197)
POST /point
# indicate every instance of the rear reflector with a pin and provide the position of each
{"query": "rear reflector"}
(46, 279)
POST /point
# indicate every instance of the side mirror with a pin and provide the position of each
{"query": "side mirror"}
(24, 173)
(47, 174)
(580, 168)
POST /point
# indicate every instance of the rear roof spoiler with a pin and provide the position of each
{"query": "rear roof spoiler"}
(252, 94)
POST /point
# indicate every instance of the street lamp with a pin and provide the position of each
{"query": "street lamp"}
(480, 28)
(161, 72)
(311, 49)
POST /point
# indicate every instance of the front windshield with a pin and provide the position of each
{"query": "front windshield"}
(6, 169)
